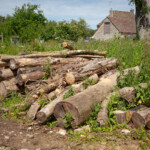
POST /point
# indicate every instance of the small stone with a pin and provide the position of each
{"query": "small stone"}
(125, 131)
(24, 140)
(20, 133)
(7, 137)
(62, 132)
(23, 149)
(30, 136)
(50, 132)
(84, 128)
(30, 128)
(37, 149)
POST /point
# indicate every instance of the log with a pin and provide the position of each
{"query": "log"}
(29, 70)
(102, 117)
(62, 54)
(66, 45)
(89, 56)
(70, 78)
(94, 67)
(33, 110)
(30, 62)
(45, 113)
(141, 118)
(7, 86)
(6, 74)
(33, 76)
(81, 105)
(120, 116)
(128, 93)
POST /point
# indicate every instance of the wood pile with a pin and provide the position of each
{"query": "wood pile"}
(49, 76)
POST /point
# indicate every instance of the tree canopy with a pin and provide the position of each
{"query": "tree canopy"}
(29, 22)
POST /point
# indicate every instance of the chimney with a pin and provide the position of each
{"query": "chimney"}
(132, 11)
(111, 13)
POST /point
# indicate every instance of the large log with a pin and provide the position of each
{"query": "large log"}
(7, 86)
(6, 74)
(141, 118)
(81, 105)
(120, 116)
(33, 76)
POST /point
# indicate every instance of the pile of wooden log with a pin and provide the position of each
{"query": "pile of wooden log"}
(49, 75)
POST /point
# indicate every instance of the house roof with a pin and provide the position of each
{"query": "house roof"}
(124, 25)
(123, 21)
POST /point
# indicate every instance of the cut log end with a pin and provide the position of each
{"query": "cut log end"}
(70, 78)
(41, 117)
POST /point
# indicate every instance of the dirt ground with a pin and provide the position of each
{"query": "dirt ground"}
(19, 136)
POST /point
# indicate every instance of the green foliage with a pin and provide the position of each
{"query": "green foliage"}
(14, 98)
(88, 82)
(139, 133)
(67, 120)
(92, 120)
(69, 93)
(141, 5)
(48, 70)
(43, 102)
(143, 95)
(26, 21)
(115, 103)
(52, 124)
(11, 103)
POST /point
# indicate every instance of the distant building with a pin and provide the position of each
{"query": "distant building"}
(118, 23)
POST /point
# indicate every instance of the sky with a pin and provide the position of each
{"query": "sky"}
(93, 11)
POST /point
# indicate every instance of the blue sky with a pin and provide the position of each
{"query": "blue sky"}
(93, 11)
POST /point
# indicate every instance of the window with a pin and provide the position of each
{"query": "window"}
(107, 28)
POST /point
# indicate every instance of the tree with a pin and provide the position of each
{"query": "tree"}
(142, 17)
(26, 21)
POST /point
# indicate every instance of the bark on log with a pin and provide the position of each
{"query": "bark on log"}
(89, 56)
(141, 118)
(23, 78)
(80, 106)
(120, 116)
(7, 86)
(6, 74)
(29, 70)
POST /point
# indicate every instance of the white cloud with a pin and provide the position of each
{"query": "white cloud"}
(93, 11)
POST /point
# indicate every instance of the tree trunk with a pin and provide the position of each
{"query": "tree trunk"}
(6, 74)
(142, 19)
(33, 76)
(7, 86)
(80, 106)
(141, 118)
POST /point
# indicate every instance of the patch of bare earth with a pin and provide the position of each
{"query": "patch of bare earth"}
(18, 136)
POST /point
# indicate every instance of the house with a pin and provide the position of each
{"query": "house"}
(118, 23)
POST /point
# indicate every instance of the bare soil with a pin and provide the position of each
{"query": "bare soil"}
(21, 136)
